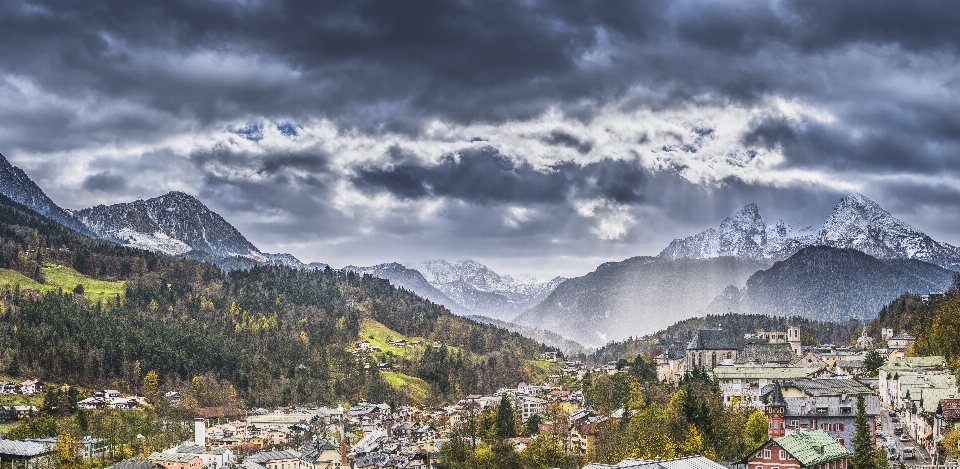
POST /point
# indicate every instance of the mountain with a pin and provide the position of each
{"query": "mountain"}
(289, 260)
(477, 288)
(268, 335)
(174, 223)
(636, 296)
(856, 223)
(831, 284)
(410, 280)
(550, 339)
(15, 184)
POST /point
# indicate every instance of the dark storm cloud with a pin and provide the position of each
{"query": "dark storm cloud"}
(457, 59)
(105, 181)
(485, 176)
(559, 137)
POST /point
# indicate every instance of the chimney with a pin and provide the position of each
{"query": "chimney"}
(343, 451)
(200, 432)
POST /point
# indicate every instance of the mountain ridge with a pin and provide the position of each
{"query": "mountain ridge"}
(17, 185)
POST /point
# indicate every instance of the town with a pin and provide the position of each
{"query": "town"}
(808, 396)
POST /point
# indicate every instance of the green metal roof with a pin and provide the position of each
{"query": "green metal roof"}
(910, 363)
(768, 372)
(175, 457)
(812, 448)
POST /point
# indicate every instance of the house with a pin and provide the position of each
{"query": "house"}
(176, 460)
(849, 367)
(709, 347)
(832, 414)
(135, 464)
(900, 342)
(803, 450)
(88, 447)
(30, 387)
(760, 353)
(215, 458)
(323, 454)
(669, 365)
(26, 455)
(689, 462)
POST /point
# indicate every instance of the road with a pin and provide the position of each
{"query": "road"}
(887, 426)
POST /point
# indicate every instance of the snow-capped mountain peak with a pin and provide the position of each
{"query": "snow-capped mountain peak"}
(856, 223)
(174, 223)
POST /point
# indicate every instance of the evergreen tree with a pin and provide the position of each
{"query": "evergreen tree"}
(506, 423)
(863, 456)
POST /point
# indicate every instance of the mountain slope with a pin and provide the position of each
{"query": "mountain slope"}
(478, 289)
(636, 296)
(174, 223)
(856, 223)
(15, 184)
(832, 284)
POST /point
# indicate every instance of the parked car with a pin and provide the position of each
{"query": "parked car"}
(908, 453)
(892, 414)
(953, 463)
(898, 430)
(892, 453)
(904, 437)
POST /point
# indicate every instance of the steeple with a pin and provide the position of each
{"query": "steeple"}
(776, 409)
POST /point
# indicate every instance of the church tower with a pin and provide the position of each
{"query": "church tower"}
(776, 410)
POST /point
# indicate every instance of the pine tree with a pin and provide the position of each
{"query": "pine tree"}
(863, 457)
(506, 425)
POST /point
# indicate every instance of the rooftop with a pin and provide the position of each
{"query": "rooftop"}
(812, 448)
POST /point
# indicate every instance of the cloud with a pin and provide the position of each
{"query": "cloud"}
(104, 181)
(524, 126)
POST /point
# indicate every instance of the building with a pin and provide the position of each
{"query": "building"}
(26, 455)
(821, 407)
(669, 365)
(689, 462)
(176, 460)
(323, 454)
(802, 450)
(741, 385)
(530, 406)
(900, 342)
(288, 459)
(709, 348)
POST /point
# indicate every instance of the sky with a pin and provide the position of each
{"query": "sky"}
(535, 137)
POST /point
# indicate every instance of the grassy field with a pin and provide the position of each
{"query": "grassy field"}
(541, 369)
(377, 334)
(67, 279)
(414, 387)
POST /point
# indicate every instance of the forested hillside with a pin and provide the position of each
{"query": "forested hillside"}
(268, 335)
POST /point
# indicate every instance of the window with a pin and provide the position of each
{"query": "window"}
(795, 423)
(766, 454)
(821, 410)
(783, 454)
(839, 427)
(840, 440)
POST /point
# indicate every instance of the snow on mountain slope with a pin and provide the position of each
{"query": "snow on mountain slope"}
(15, 184)
(174, 223)
(859, 223)
(856, 223)
(482, 291)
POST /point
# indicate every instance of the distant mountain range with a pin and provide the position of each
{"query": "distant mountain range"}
(857, 261)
